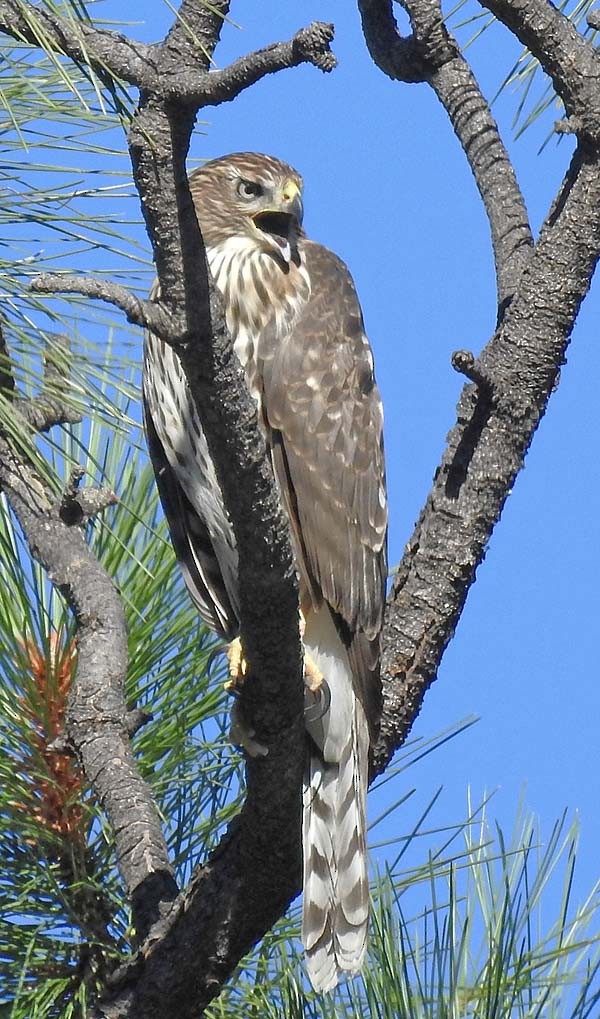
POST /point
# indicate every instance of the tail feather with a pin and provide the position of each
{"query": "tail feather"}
(336, 888)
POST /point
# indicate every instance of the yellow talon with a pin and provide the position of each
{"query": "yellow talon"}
(313, 677)
(238, 666)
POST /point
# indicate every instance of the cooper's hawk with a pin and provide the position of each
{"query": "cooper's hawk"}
(297, 327)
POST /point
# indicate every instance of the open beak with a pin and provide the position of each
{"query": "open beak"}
(282, 222)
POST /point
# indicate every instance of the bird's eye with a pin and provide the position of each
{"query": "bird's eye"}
(249, 189)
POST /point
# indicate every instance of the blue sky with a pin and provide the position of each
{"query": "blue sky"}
(388, 188)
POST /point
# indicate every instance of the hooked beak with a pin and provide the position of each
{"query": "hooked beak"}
(282, 222)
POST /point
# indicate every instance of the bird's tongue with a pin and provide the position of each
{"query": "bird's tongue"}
(284, 246)
(278, 226)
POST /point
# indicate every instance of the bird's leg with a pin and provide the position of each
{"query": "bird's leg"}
(317, 696)
(313, 677)
(237, 666)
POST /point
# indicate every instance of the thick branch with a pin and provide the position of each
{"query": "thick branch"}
(99, 48)
(42, 412)
(97, 716)
(255, 872)
(431, 54)
(180, 70)
(194, 33)
(486, 449)
(398, 57)
(569, 59)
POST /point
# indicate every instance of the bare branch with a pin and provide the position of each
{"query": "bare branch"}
(309, 46)
(464, 361)
(51, 406)
(97, 722)
(398, 57)
(97, 715)
(569, 59)
(486, 449)
(433, 55)
(100, 48)
(148, 314)
(77, 504)
(194, 33)
(42, 412)
(256, 870)
(180, 69)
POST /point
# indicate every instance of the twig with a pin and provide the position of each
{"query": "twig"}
(77, 505)
(139, 312)
(310, 45)
(464, 362)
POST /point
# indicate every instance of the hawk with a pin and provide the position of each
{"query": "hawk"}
(297, 328)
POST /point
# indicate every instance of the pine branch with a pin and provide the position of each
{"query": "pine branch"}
(97, 717)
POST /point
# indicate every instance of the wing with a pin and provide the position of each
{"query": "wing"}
(325, 414)
(189, 491)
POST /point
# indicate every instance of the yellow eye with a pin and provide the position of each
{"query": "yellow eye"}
(249, 189)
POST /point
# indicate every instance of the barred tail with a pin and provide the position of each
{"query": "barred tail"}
(336, 887)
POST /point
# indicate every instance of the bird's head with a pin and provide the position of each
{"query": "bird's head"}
(250, 196)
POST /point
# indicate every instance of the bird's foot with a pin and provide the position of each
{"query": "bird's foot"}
(313, 677)
(237, 666)
(242, 734)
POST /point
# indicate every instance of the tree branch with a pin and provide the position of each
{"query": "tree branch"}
(98, 48)
(309, 46)
(398, 57)
(147, 314)
(96, 723)
(486, 450)
(569, 59)
(78, 505)
(259, 861)
(487, 447)
(236, 897)
(180, 70)
(432, 54)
